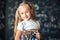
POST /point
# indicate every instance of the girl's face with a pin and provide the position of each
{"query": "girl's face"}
(25, 12)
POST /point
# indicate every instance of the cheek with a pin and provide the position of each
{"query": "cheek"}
(29, 15)
(21, 16)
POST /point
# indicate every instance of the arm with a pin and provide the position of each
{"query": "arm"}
(18, 35)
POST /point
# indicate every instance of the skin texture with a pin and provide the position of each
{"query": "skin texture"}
(38, 35)
(18, 35)
(25, 12)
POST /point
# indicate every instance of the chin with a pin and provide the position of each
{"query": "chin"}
(26, 19)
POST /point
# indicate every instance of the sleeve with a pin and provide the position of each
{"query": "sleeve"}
(20, 26)
(38, 24)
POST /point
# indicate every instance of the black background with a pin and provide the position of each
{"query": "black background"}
(47, 13)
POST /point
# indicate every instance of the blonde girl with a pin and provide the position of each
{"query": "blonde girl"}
(25, 20)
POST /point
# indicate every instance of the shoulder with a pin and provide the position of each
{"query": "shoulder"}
(37, 22)
(20, 26)
(20, 23)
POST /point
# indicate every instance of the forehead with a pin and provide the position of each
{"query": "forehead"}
(25, 6)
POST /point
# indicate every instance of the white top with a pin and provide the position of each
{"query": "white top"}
(28, 25)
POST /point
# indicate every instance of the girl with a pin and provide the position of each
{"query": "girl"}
(26, 23)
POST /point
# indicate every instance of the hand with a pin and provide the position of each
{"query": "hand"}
(38, 35)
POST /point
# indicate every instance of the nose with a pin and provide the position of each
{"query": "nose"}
(25, 15)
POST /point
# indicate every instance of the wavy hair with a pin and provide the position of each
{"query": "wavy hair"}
(18, 17)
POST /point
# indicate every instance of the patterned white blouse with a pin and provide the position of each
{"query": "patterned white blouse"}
(28, 25)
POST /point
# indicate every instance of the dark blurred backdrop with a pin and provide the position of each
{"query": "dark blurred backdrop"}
(47, 13)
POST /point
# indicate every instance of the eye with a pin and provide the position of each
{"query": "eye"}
(21, 13)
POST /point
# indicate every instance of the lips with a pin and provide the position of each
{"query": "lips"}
(26, 17)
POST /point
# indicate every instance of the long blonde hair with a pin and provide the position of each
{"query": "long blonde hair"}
(18, 18)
